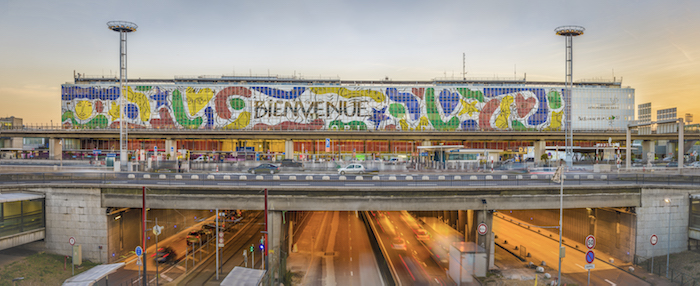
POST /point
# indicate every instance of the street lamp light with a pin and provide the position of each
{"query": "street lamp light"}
(668, 245)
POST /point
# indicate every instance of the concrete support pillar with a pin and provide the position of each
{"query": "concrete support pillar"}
(55, 148)
(171, 148)
(461, 222)
(648, 146)
(486, 241)
(540, 148)
(16, 142)
(288, 149)
(681, 126)
(670, 149)
(276, 245)
(628, 149)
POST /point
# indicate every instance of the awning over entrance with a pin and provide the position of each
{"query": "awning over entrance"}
(93, 275)
(241, 276)
(14, 197)
(440, 147)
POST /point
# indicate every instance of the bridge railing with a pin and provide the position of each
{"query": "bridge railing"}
(333, 180)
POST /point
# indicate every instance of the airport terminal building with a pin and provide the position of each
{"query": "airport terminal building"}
(262, 103)
(275, 103)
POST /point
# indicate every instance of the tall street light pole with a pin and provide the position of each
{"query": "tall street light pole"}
(569, 32)
(123, 28)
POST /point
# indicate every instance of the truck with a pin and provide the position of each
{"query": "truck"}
(356, 169)
(291, 163)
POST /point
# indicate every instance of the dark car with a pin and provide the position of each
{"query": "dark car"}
(165, 255)
(196, 237)
(264, 168)
(291, 163)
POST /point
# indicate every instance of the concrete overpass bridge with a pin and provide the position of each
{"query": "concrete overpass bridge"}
(629, 213)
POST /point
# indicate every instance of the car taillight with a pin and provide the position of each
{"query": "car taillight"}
(164, 256)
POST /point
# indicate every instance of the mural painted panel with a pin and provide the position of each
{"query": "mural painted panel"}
(314, 107)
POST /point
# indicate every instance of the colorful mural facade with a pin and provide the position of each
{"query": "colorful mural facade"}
(283, 107)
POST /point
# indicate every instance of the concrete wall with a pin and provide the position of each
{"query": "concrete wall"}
(78, 213)
(652, 218)
(22, 238)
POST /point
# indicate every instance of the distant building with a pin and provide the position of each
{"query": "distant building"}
(10, 122)
(666, 114)
(688, 117)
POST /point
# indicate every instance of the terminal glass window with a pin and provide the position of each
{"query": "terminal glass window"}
(20, 216)
(694, 221)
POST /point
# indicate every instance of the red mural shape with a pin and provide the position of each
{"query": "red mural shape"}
(419, 92)
(390, 127)
(486, 112)
(524, 106)
(288, 125)
(99, 106)
(221, 98)
(165, 120)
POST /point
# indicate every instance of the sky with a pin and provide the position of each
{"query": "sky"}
(653, 46)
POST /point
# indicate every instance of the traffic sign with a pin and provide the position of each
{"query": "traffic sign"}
(71, 240)
(590, 241)
(221, 234)
(139, 251)
(482, 228)
(590, 256)
(654, 239)
(138, 261)
(589, 266)
(157, 229)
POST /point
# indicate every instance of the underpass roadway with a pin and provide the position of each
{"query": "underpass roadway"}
(536, 244)
(230, 256)
(333, 249)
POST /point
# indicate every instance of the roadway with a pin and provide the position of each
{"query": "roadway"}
(408, 257)
(543, 248)
(333, 248)
(236, 237)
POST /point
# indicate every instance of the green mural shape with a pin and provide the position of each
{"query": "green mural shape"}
(143, 88)
(434, 115)
(468, 93)
(181, 115)
(68, 115)
(397, 110)
(237, 103)
(354, 125)
(99, 121)
(554, 99)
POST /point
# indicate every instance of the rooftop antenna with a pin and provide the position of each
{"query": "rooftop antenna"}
(123, 28)
(464, 66)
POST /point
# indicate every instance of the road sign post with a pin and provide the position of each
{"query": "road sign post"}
(482, 229)
(590, 257)
(653, 240)
(71, 240)
(590, 242)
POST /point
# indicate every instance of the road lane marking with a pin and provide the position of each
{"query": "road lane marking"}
(579, 266)
(350, 273)
(611, 283)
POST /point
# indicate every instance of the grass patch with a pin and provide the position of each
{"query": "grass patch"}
(40, 269)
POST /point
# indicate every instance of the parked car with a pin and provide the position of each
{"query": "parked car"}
(264, 168)
(199, 159)
(356, 169)
(291, 163)
(165, 255)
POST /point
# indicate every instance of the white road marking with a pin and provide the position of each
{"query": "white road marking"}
(166, 278)
(350, 258)
(579, 266)
(611, 283)
(350, 273)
